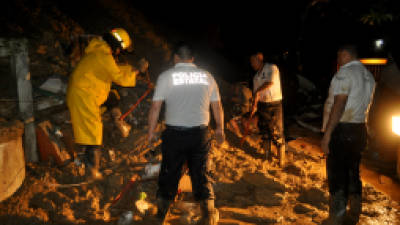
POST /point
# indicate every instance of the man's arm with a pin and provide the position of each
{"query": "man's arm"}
(218, 113)
(337, 111)
(153, 118)
(265, 85)
(271, 72)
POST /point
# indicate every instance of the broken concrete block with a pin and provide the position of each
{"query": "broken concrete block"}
(48, 102)
(49, 144)
(54, 85)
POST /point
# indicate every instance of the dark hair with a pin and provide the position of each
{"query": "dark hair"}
(351, 49)
(112, 41)
(184, 51)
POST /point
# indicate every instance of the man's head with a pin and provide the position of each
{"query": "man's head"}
(257, 61)
(346, 54)
(183, 54)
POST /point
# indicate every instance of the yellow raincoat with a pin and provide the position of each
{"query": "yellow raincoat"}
(88, 89)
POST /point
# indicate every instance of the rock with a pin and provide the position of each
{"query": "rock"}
(314, 197)
(267, 197)
(293, 169)
(42, 49)
(116, 180)
(259, 180)
(302, 209)
(48, 102)
(54, 85)
(385, 180)
(49, 144)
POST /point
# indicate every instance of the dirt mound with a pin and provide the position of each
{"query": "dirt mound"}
(249, 190)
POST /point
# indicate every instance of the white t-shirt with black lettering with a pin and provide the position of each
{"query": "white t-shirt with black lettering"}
(187, 92)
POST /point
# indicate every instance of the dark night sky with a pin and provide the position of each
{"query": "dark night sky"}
(240, 25)
(272, 27)
(237, 29)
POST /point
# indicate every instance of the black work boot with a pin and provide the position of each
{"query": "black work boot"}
(162, 209)
(210, 214)
(353, 215)
(281, 148)
(93, 156)
(337, 209)
(267, 149)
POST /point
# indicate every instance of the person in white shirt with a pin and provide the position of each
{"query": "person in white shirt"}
(268, 105)
(345, 113)
(188, 93)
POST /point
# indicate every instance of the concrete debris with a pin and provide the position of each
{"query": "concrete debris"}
(151, 170)
(48, 102)
(54, 85)
(126, 218)
(50, 145)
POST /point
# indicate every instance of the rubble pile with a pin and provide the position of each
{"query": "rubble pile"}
(57, 38)
(249, 189)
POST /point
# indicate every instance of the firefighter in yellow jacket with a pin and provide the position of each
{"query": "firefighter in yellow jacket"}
(88, 89)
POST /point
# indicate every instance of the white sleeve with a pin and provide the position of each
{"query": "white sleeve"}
(161, 89)
(341, 83)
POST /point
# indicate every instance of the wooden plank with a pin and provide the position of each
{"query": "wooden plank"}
(20, 67)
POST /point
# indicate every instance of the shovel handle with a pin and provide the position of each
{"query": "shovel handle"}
(125, 189)
(136, 104)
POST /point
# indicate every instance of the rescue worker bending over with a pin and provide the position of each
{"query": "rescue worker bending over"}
(188, 93)
(89, 87)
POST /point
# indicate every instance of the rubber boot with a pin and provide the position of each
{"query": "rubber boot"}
(162, 210)
(93, 157)
(267, 149)
(210, 214)
(354, 212)
(337, 209)
(281, 154)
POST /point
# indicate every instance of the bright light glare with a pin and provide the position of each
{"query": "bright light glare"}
(379, 43)
(118, 37)
(396, 125)
(374, 61)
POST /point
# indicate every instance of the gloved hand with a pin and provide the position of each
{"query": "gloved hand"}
(143, 65)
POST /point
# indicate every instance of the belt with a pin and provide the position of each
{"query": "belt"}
(181, 128)
(271, 103)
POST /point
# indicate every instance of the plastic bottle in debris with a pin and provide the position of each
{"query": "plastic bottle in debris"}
(126, 218)
(152, 170)
(142, 205)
